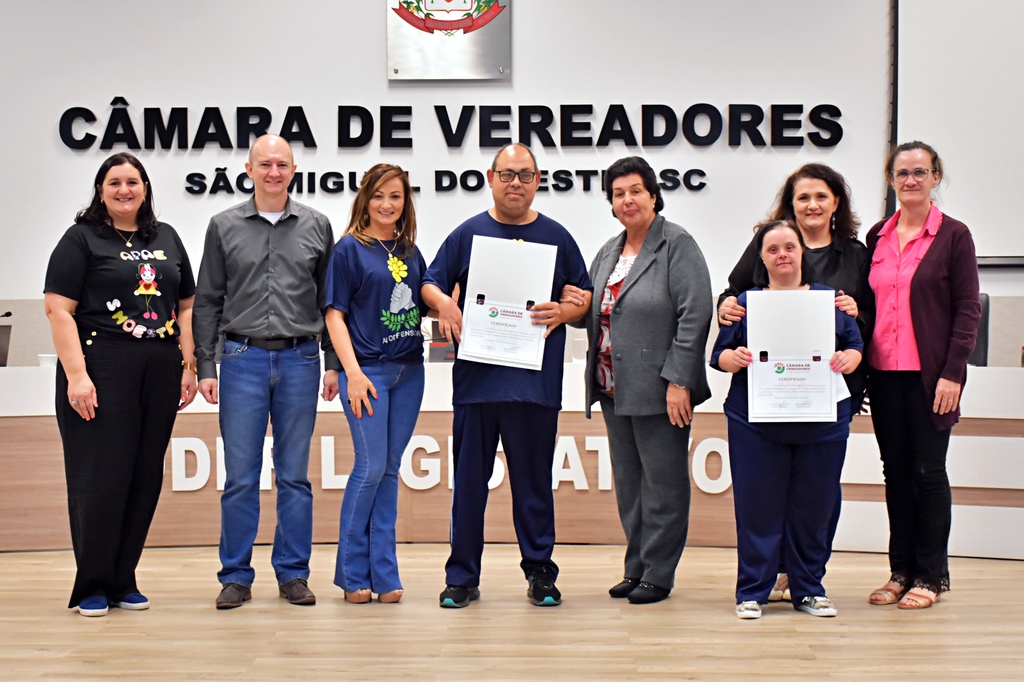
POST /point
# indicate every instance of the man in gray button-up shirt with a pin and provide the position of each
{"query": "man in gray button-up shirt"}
(261, 288)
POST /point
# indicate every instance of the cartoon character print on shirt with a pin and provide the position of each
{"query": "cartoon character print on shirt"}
(147, 287)
(402, 312)
(144, 279)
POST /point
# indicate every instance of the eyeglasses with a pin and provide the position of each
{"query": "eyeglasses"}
(525, 176)
(920, 174)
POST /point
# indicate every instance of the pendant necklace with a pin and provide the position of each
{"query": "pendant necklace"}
(391, 250)
(127, 242)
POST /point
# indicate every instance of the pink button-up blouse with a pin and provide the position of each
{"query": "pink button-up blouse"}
(893, 344)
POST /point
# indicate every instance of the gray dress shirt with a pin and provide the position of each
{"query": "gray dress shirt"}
(262, 280)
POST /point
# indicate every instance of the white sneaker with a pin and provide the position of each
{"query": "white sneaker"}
(748, 610)
(817, 606)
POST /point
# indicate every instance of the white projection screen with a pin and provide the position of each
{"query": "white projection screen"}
(959, 89)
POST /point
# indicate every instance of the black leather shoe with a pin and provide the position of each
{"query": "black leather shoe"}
(623, 589)
(233, 595)
(297, 592)
(647, 593)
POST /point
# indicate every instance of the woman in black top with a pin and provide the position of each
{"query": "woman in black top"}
(817, 199)
(118, 295)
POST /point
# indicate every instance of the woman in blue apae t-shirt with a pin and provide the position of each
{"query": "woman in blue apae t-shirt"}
(373, 316)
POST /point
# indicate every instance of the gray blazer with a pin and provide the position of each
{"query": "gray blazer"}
(660, 322)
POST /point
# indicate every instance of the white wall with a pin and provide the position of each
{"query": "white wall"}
(959, 90)
(320, 54)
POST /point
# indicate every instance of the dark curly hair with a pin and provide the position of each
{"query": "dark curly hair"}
(95, 214)
(845, 222)
(628, 166)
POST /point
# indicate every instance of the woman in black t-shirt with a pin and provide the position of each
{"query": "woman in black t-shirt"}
(118, 294)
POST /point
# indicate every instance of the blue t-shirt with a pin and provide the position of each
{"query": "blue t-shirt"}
(847, 338)
(380, 296)
(476, 382)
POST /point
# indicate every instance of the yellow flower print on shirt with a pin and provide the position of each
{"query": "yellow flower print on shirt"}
(399, 270)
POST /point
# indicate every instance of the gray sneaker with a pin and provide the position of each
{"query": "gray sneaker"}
(817, 606)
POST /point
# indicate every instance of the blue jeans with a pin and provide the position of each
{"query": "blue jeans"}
(366, 541)
(255, 384)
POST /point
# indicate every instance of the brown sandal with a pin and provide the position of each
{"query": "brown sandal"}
(917, 599)
(885, 595)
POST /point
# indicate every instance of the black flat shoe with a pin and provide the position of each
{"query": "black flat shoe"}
(646, 593)
(623, 589)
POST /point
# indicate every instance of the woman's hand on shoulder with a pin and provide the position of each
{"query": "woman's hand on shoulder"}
(846, 303)
(730, 311)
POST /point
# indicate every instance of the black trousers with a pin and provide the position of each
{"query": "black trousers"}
(114, 463)
(917, 493)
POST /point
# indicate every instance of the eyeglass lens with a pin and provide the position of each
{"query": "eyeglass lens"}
(524, 176)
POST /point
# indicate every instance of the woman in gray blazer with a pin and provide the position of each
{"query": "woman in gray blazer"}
(648, 326)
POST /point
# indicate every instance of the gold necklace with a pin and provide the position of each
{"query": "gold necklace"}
(391, 250)
(127, 242)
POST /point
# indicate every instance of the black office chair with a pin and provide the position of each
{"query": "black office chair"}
(979, 357)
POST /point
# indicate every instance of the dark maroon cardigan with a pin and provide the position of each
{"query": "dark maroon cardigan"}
(944, 308)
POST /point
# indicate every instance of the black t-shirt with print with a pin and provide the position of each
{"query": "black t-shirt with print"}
(120, 290)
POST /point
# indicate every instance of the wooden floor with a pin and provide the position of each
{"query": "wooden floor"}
(976, 632)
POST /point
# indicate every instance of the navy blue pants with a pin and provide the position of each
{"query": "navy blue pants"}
(527, 433)
(785, 495)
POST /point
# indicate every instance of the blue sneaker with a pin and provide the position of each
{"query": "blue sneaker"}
(134, 602)
(93, 606)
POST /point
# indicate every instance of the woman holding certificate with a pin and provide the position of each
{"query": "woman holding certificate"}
(645, 365)
(373, 316)
(785, 474)
(817, 198)
(924, 277)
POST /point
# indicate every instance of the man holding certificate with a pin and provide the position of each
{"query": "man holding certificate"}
(495, 394)
(786, 468)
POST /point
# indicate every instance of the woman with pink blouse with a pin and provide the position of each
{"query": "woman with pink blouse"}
(924, 277)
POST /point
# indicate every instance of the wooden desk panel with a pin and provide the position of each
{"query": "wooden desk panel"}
(33, 502)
